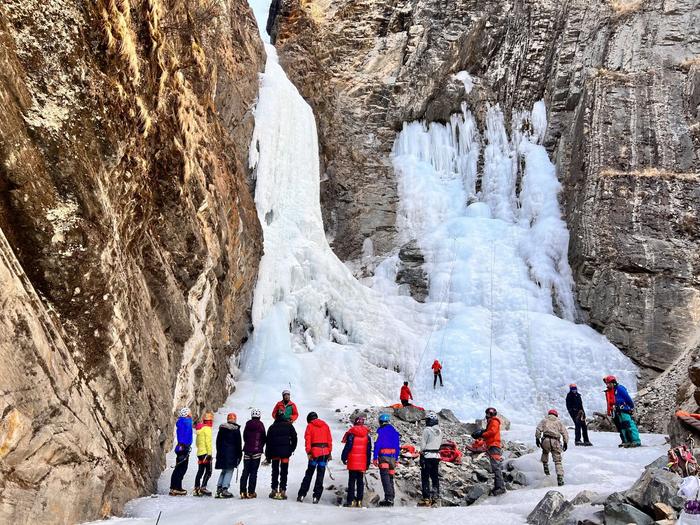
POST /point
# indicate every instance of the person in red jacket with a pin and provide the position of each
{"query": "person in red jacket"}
(287, 406)
(356, 455)
(405, 394)
(437, 372)
(319, 445)
(492, 436)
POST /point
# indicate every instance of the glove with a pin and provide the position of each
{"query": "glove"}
(330, 457)
(209, 458)
(538, 442)
(566, 445)
(477, 434)
(421, 461)
(581, 415)
(345, 462)
(375, 462)
(310, 456)
(179, 448)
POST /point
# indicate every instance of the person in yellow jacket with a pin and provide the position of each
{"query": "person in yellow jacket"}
(204, 455)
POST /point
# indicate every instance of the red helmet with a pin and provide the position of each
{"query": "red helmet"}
(609, 379)
(553, 412)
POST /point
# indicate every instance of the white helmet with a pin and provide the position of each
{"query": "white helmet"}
(255, 412)
(285, 392)
(184, 412)
(431, 416)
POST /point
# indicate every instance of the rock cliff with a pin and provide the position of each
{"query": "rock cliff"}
(129, 241)
(621, 80)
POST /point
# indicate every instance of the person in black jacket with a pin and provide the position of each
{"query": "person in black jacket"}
(574, 404)
(228, 454)
(280, 444)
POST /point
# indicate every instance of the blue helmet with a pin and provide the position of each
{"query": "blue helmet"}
(384, 418)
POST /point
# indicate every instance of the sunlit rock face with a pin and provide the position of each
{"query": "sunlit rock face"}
(129, 241)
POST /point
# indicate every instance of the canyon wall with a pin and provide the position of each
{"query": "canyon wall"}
(129, 240)
(621, 81)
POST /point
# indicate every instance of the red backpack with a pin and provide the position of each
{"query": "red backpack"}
(450, 453)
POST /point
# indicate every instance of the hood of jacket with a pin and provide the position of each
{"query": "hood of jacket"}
(230, 426)
(359, 430)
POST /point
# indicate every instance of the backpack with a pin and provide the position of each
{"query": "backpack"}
(478, 445)
(450, 453)
(682, 461)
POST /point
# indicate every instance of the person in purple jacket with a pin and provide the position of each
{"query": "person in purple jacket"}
(386, 454)
(254, 444)
(182, 451)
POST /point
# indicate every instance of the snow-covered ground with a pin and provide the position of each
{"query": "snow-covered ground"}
(499, 314)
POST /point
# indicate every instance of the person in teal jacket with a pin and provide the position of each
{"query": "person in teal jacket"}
(624, 406)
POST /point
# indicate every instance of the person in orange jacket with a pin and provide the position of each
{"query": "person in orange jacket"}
(405, 394)
(492, 436)
(319, 445)
(287, 406)
(437, 372)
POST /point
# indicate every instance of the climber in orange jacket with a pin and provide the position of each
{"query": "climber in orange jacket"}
(405, 394)
(437, 372)
(492, 436)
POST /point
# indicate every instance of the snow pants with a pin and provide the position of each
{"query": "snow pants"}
(495, 459)
(628, 429)
(317, 465)
(387, 464)
(280, 469)
(181, 461)
(552, 446)
(356, 482)
(203, 472)
(430, 474)
(580, 428)
(618, 425)
(249, 478)
(225, 479)
(405, 402)
(437, 375)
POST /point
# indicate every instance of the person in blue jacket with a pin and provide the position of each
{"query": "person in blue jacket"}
(624, 406)
(182, 451)
(386, 454)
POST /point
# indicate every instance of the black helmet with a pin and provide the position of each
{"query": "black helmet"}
(491, 412)
(311, 417)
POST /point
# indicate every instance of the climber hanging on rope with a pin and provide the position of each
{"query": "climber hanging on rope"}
(437, 372)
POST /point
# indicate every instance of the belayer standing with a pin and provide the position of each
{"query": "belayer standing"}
(574, 405)
(281, 444)
(319, 445)
(356, 455)
(621, 406)
(547, 435)
(437, 372)
(184, 435)
(287, 406)
(430, 461)
(253, 445)
(204, 453)
(492, 436)
(405, 395)
(228, 454)
(386, 454)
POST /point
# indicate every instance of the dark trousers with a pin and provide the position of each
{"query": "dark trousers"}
(203, 472)
(280, 469)
(495, 459)
(317, 465)
(249, 478)
(181, 461)
(386, 474)
(430, 474)
(405, 402)
(435, 378)
(580, 428)
(356, 483)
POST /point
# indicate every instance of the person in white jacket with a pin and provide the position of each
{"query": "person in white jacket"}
(430, 461)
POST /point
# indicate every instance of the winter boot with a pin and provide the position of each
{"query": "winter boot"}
(218, 493)
(273, 494)
(425, 502)
(177, 492)
(283, 494)
(560, 480)
(386, 503)
(348, 504)
(252, 495)
(315, 500)
(196, 492)
(578, 444)
(635, 445)
(622, 445)
(300, 498)
(244, 495)
(204, 492)
(546, 469)
(498, 491)
(435, 502)
(357, 503)
(226, 494)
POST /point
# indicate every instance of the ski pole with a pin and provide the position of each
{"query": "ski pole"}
(158, 520)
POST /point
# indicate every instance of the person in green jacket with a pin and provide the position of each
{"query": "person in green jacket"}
(204, 455)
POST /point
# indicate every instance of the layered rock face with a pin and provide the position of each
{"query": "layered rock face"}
(129, 240)
(621, 80)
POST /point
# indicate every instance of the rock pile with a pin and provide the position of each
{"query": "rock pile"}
(460, 484)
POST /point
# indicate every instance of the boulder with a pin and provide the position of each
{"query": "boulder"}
(659, 462)
(662, 511)
(410, 414)
(655, 486)
(619, 512)
(585, 496)
(553, 509)
(477, 493)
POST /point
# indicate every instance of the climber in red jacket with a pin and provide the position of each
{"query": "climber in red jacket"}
(437, 372)
(287, 406)
(405, 395)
